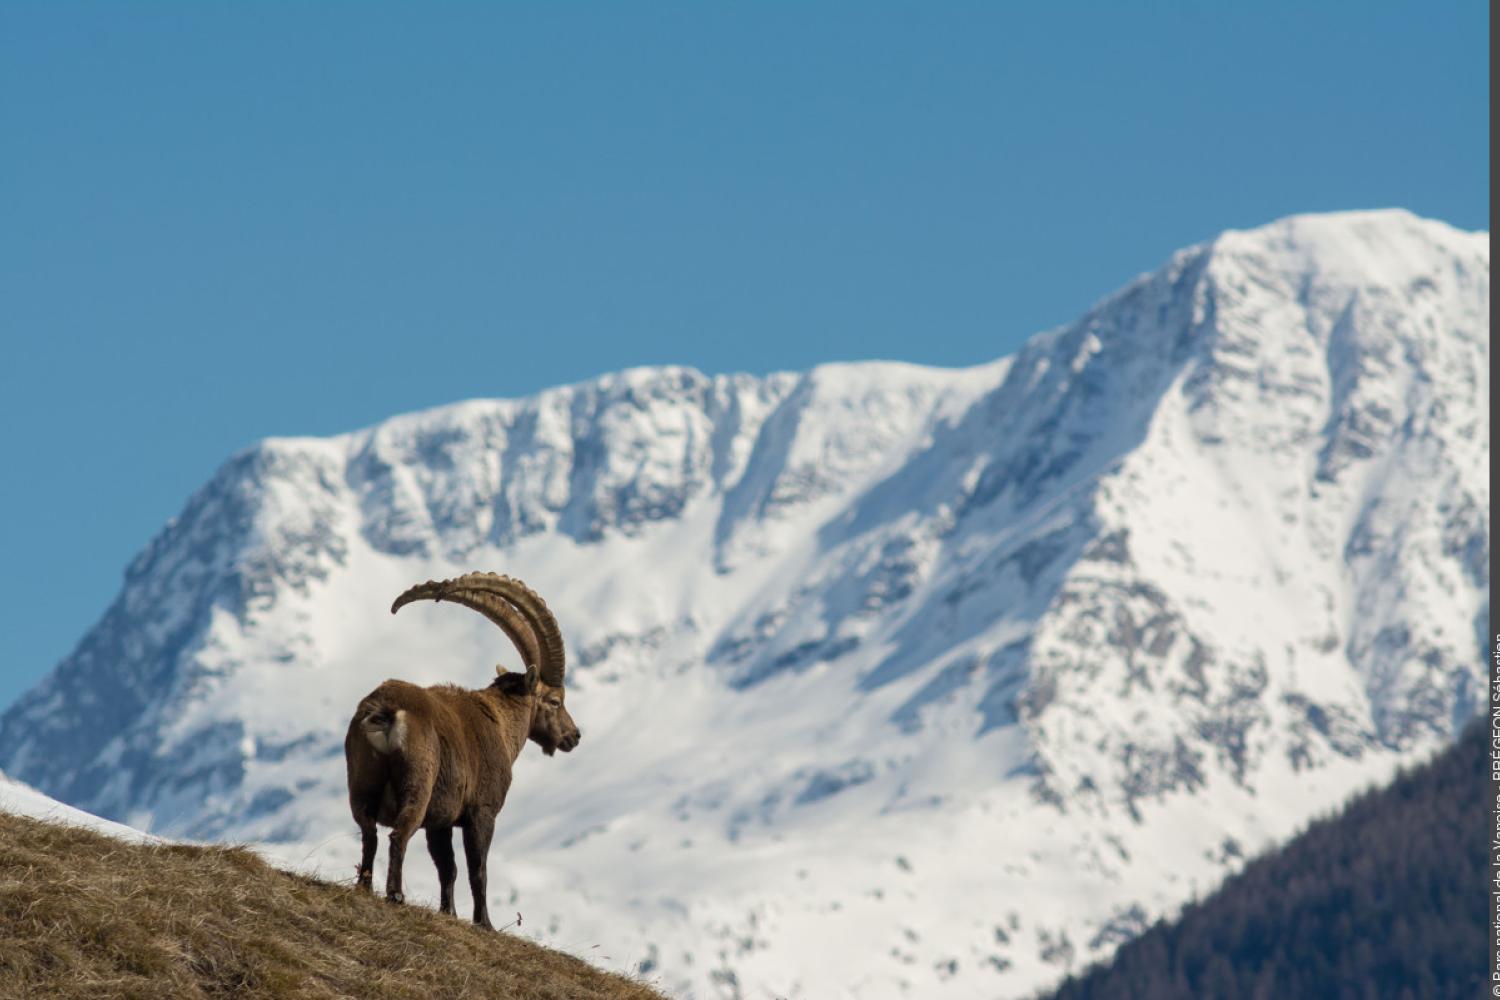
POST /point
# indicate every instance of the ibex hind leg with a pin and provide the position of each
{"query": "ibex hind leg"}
(440, 846)
(366, 810)
(478, 832)
(413, 789)
(368, 840)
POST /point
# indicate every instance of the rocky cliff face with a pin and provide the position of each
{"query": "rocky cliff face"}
(894, 679)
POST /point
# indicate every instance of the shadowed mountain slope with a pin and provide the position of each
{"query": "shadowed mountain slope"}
(1386, 899)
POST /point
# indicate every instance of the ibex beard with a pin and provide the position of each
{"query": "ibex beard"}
(441, 757)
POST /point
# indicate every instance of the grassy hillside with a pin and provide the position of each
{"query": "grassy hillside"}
(83, 915)
(1385, 899)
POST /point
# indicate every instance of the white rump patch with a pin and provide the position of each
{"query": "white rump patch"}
(387, 738)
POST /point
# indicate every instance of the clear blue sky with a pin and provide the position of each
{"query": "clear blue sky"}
(225, 221)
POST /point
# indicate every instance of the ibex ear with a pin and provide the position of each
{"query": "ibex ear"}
(532, 675)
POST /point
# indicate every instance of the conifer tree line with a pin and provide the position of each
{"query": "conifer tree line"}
(1386, 899)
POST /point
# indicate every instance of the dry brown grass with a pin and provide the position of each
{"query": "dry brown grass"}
(83, 915)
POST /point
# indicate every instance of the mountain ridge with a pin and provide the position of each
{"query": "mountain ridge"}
(1184, 569)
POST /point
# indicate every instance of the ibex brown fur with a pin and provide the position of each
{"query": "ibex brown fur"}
(440, 757)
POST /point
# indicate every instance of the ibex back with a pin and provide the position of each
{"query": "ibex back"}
(440, 757)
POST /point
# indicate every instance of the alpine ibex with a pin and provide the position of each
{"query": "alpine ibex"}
(439, 757)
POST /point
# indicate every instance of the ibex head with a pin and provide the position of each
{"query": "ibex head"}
(552, 728)
(531, 626)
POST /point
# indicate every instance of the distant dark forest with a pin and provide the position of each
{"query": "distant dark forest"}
(1386, 899)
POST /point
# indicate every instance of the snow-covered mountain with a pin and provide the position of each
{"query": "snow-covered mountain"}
(19, 799)
(892, 679)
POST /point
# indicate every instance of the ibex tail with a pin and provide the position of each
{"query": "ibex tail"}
(385, 728)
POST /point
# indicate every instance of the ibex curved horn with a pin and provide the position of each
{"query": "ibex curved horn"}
(513, 606)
